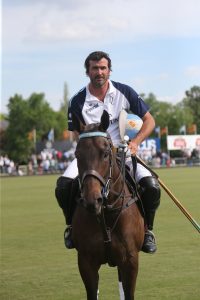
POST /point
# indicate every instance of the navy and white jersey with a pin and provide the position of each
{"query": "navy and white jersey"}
(89, 109)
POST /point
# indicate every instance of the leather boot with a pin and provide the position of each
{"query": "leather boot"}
(66, 191)
(150, 196)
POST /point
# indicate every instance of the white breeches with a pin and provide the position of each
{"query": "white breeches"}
(72, 170)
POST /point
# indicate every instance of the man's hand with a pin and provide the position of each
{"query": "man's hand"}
(145, 131)
(133, 146)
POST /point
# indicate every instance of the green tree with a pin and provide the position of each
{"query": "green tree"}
(167, 114)
(25, 116)
(65, 101)
(64, 108)
(17, 144)
(192, 103)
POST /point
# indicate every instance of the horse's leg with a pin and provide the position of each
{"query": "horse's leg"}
(90, 276)
(129, 273)
(121, 291)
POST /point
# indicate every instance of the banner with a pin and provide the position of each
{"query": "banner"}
(182, 142)
(149, 147)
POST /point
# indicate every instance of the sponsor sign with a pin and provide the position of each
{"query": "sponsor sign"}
(182, 142)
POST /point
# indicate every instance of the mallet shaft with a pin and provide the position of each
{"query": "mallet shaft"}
(176, 201)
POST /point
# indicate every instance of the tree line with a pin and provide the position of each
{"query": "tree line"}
(35, 114)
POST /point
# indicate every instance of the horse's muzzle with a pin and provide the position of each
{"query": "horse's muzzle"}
(93, 207)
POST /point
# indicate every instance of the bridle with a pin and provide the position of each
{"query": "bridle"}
(105, 183)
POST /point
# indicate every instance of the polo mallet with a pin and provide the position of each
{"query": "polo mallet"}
(176, 201)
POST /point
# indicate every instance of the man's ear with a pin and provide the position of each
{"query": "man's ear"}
(105, 121)
(77, 124)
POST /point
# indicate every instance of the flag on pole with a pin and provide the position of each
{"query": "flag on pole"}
(51, 135)
(164, 131)
(182, 130)
(66, 134)
(157, 130)
(192, 129)
(32, 135)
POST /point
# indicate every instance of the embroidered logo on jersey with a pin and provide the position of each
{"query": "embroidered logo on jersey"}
(114, 121)
(92, 107)
(111, 99)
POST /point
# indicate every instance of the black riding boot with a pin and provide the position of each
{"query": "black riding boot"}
(150, 195)
(66, 191)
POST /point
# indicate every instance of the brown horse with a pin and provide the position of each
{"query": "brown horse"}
(107, 225)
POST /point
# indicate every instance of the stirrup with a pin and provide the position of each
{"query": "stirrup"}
(68, 238)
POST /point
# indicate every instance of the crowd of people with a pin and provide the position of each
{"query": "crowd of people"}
(7, 165)
(50, 161)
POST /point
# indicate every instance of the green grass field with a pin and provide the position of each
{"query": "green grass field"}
(36, 265)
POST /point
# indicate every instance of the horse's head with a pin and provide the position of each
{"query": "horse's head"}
(94, 157)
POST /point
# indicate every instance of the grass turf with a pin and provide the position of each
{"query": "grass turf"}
(36, 265)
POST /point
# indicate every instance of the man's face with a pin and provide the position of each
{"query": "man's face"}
(98, 72)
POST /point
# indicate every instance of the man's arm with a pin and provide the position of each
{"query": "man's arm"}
(145, 131)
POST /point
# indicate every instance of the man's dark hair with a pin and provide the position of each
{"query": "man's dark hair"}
(96, 56)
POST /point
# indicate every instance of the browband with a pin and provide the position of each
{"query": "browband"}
(92, 134)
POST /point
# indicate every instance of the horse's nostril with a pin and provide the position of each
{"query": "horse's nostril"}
(91, 208)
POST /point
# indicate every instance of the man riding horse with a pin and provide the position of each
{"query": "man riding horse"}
(87, 106)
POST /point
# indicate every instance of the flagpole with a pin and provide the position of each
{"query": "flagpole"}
(34, 138)
(195, 130)
(159, 135)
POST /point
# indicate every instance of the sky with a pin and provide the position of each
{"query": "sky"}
(154, 46)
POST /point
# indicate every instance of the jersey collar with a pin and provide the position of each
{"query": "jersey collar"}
(111, 91)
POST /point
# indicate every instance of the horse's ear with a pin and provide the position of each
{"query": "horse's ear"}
(77, 124)
(105, 121)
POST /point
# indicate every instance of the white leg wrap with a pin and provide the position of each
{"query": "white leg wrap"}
(121, 291)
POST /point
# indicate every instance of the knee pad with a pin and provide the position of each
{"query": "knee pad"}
(150, 192)
(66, 192)
(63, 190)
